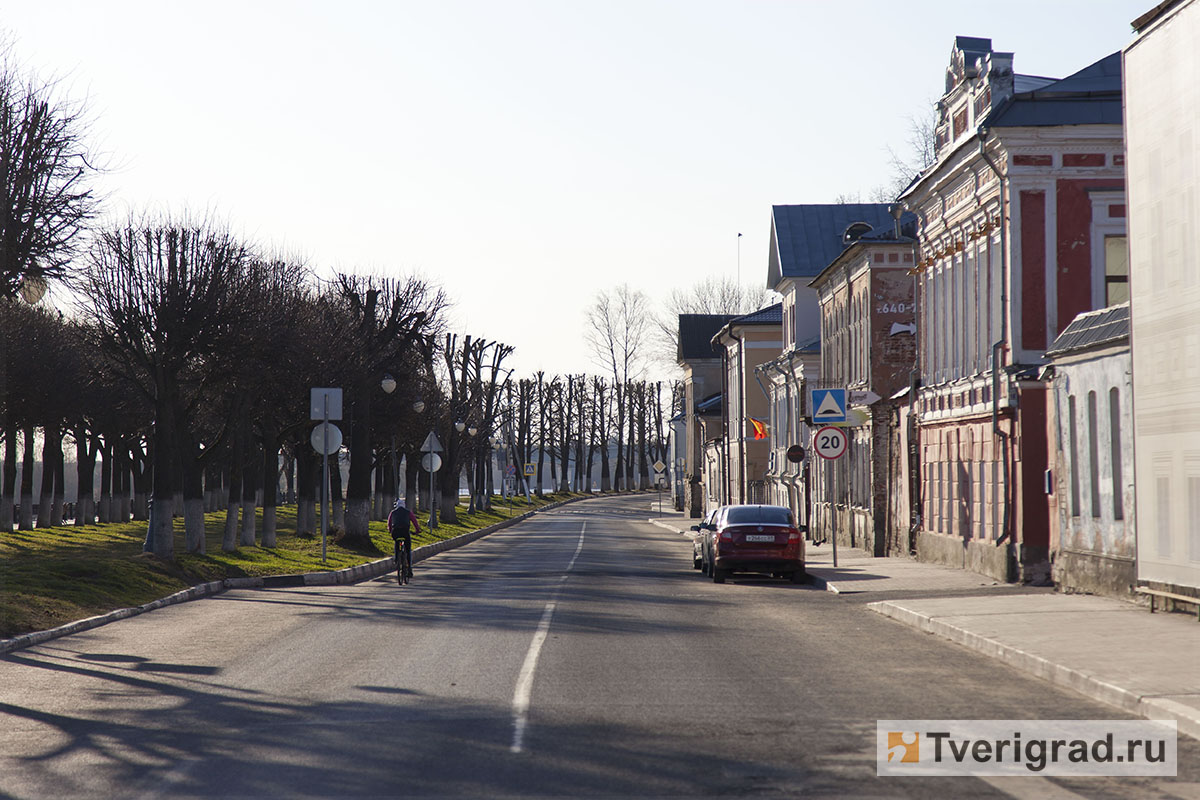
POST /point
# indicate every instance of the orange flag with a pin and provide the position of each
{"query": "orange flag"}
(760, 428)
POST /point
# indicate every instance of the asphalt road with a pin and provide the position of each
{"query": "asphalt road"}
(574, 654)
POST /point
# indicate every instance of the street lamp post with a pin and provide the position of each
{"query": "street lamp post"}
(388, 384)
(433, 457)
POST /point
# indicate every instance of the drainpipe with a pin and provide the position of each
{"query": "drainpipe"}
(741, 390)
(915, 508)
(790, 391)
(805, 472)
(998, 347)
(725, 413)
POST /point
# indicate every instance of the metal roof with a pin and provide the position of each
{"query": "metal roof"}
(771, 315)
(807, 238)
(696, 332)
(1093, 329)
(1091, 96)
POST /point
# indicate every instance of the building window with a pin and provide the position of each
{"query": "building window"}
(1074, 451)
(996, 500)
(1114, 436)
(1093, 454)
(1116, 270)
(1163, 502)
(1194, 518)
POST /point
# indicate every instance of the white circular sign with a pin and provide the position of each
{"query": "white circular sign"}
(318, 438)
(431, 462)
(830, 442)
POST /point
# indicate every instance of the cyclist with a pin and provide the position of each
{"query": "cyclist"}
(402, 524)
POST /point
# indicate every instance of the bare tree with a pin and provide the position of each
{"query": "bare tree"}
(601, 429)
(918, 155)
(386, 318)
(618, 328)
(711, 295)
(45, 167)
(166, 301)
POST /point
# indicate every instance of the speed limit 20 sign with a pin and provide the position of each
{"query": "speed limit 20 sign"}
(830, 442)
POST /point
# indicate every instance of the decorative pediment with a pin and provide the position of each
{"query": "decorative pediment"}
(977, 80)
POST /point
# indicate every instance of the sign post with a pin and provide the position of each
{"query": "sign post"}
(830, 443)
(325, 404)
(530, 471)
(659, 466)
(432, 462)
(510, 480)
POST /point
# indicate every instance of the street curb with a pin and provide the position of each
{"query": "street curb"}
(658, 521)
(355, 574)
(1150, 707)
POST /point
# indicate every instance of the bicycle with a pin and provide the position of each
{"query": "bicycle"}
(403, 559)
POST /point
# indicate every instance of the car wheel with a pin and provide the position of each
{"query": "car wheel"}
(718, 575)
(697, 562)
(799, 576)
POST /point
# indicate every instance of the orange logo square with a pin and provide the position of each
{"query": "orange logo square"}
(904, 747)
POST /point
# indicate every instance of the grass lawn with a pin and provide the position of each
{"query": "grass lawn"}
(52, 576)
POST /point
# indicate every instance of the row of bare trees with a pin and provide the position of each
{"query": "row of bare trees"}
(187, 367)
(186, 370)
(577, 428)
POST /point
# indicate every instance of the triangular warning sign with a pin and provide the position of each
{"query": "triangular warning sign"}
(829, 407)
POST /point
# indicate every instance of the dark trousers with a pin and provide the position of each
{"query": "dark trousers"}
(403, 542)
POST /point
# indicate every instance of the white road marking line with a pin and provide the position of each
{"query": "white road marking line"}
(524, 689)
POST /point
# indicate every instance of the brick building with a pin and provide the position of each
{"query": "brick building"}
(868, 346)
(1022, 226)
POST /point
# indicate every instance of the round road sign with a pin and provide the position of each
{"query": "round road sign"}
(431, 462)
(318, 439)
(830, 442)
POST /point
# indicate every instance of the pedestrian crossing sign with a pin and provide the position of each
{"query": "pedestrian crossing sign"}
(828, 405)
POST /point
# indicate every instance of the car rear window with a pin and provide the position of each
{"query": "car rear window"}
(758, 515)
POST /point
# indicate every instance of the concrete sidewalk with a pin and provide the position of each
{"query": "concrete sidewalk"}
(1109, 649)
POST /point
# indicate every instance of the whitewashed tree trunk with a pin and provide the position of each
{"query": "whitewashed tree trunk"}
(306, 516)
(248, 522)
(230, 537)
(193, 524)
(268, 526)
(85, 512)
(339, 513)
(357, 515)
(43, 510)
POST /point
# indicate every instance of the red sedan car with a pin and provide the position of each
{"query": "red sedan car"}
(757, 539)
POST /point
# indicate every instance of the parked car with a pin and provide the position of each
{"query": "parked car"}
(756, 538)
(700, 542)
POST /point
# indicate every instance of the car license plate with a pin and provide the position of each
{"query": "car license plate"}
(754, 537)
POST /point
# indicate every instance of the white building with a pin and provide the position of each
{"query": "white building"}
(1162, 119)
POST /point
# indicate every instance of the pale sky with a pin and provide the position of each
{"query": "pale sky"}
(524, 155)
